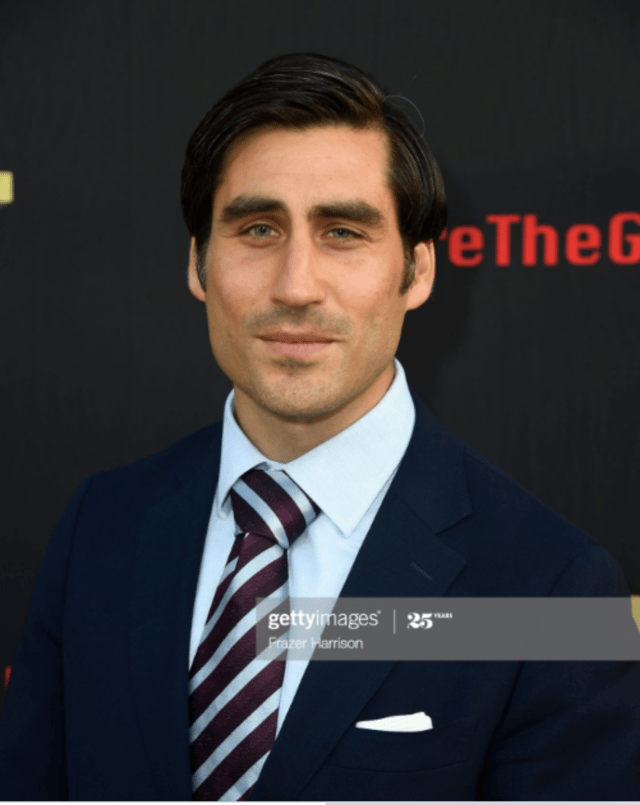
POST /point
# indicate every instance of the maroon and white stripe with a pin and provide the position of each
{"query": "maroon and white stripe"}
(234, 695)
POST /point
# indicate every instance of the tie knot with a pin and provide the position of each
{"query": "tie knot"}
(269, 503)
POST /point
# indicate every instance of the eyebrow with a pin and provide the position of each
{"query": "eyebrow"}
(355, 210)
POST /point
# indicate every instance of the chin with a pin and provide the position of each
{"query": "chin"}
(292, 409)
(303, 403)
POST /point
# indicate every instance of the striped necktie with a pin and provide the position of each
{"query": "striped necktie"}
(234, 697)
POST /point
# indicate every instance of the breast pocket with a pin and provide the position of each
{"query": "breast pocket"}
(376, 750)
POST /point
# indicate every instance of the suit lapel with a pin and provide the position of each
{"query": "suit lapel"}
(168, 564)
(401, 556)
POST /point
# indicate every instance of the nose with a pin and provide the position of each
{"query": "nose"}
(297, 282)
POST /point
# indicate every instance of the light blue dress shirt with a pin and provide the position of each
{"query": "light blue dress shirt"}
(347, 476)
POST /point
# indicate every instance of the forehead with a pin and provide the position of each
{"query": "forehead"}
(308, 166)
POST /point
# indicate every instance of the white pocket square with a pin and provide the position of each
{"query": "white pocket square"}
(415, 722)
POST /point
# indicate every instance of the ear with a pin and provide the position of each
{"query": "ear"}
(425, 274)
(193, 280)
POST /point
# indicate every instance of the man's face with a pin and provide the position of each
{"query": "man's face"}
(303, 271)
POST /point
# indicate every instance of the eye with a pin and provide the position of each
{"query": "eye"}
(344, 234)
(258, 230)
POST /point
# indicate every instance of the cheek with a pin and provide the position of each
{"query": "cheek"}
(385, 323)
(382, 309)
(227, 300)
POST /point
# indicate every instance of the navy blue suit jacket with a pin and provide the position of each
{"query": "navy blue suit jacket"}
(96, 708)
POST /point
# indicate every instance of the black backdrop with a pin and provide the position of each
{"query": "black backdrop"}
(531, 107)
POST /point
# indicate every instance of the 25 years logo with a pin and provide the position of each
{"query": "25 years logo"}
(425, 620)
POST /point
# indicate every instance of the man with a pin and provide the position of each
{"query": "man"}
(313, 208)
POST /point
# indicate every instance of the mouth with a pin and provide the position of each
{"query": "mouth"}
(296, 345)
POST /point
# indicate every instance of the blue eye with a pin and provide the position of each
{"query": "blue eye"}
(345, 232)
(258, 229)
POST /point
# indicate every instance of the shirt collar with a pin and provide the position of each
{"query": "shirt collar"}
(342, 475)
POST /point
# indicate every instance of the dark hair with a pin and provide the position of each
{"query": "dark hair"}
(302, 90)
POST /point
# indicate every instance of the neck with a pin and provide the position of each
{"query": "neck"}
(284, 439)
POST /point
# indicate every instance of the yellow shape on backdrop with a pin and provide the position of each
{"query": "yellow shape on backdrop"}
(6, 187)
(635, 609)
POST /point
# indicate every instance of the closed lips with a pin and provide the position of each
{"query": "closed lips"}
(296, 345)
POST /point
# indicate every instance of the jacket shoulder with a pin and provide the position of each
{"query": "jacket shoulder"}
(513, 535)
(157, 475)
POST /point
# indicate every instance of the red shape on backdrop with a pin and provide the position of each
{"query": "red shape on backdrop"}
(580, 238)
(466, 239)
(531, 231)
(618, 238)
(7, 674)
(503, 236)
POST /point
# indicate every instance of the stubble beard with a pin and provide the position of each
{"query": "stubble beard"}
(291, 398)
